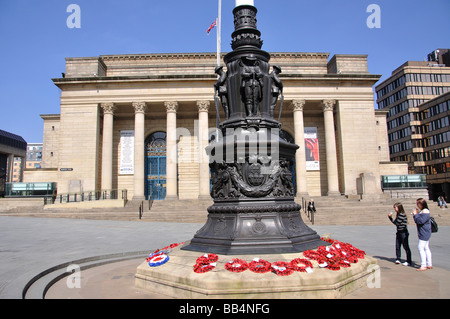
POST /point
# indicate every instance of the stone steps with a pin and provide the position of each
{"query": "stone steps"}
(353, 212)
(183, 211)
(330, 211)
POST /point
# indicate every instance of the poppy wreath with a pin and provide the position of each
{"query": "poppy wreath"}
(328, 254)
(204, 267)
(333, 265)
(349, 249)
(259, 266)
(236, 265)
(167, 249)
(175, 245)
(328, 240)
(314, 255)
(345, 258)
(351, 259)
(205, 263)
(281, 268)
(158, 260)
(358, 253)
(294, 264)
(334, 257)
(351, 253)
(207, 258)
(344, 263)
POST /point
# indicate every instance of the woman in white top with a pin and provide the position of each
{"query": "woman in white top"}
(422, 220)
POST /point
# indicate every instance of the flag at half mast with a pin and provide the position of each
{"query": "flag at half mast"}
(211, 27)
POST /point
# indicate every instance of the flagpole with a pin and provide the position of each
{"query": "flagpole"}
(219, 32)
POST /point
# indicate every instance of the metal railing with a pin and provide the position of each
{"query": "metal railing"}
(408, 195)
(88, 196)
(141, 206)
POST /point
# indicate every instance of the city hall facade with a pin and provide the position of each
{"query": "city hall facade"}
(141, 123)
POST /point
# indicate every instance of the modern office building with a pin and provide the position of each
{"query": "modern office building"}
(435, 161)
(11, 146)
(18, 167)
(406, 94)
(33, 160)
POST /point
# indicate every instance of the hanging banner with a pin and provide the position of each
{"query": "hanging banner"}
(127, 152)
(312, 149)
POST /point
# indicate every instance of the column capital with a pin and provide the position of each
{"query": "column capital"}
(108, 108)
(139, 107)
(298, 105)
(203, 106)
(328, 105)
(171, 106)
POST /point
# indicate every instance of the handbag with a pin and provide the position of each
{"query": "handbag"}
(434, 225)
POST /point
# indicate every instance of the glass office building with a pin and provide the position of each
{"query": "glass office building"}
(417, 96)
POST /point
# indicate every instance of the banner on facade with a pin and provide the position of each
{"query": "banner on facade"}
(127, 152)
(312, 149)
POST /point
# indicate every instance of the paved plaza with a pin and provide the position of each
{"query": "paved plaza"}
(31, 245)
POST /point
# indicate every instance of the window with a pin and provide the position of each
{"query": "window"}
(416, 77)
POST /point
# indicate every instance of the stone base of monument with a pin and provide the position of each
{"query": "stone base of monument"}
(176, 279)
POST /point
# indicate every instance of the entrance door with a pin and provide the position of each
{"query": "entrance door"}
(155, 166)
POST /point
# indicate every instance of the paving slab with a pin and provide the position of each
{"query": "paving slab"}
(397, 282)
(30, 245)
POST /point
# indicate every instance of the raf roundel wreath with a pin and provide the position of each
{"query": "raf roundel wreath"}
(158, 260)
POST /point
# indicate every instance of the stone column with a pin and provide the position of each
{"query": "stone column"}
(139, 139)
(330, 144)
(10, 168)
(107, 145)
(203, 158)
(22, 167)
(300, 155)
(171, 146)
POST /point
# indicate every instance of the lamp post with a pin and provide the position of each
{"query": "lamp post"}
(254, 211)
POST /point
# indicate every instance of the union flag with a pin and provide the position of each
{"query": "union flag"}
(211, 27)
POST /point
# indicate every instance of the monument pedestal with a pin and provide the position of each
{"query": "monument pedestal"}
(176, 279)
(254, 214)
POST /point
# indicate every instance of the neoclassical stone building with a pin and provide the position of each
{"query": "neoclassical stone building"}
(141, 122)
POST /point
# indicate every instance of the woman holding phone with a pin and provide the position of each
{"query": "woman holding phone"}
(422, 220)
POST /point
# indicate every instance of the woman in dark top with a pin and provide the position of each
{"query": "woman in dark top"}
(401, 238)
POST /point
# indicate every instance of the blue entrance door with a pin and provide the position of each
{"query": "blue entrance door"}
(155, 166)
(156, 177)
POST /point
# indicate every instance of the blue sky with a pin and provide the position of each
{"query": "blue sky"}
(35, 39)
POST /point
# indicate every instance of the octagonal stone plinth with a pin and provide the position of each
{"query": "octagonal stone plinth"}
(177, 279)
